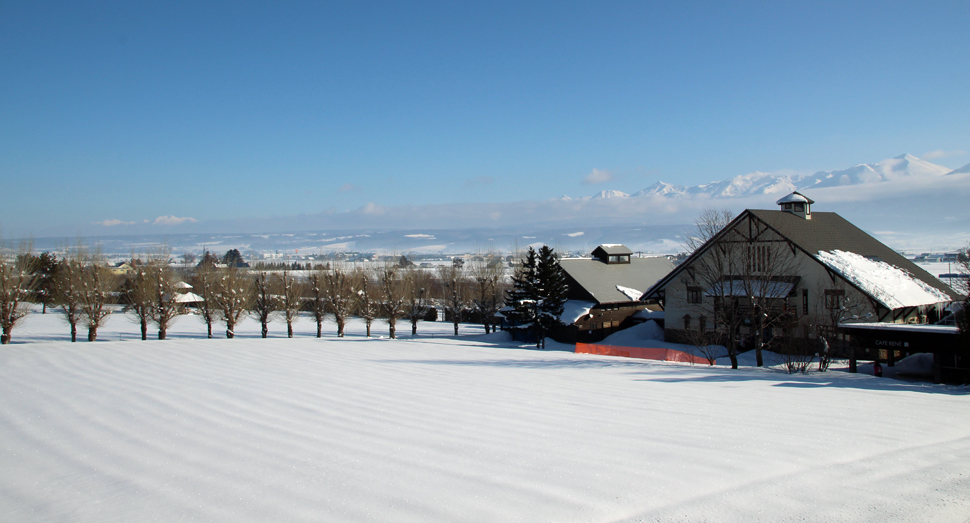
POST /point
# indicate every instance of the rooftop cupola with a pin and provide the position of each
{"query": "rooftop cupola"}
(797, 204)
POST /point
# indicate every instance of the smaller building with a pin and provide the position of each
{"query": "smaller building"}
(604, 290)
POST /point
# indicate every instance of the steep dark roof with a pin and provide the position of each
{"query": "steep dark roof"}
(825, 231)
(597, 281)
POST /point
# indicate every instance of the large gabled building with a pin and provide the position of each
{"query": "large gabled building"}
(808, 268)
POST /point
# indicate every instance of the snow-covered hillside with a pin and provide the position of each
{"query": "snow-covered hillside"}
(758, 183)
(474, 428)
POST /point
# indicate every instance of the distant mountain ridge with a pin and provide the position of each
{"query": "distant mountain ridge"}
(759, 183)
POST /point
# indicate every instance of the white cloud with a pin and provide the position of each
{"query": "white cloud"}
(598, 176)
(939, 153)
(372, 208)
(347, 187)
(575, 234)
(113, 222)
(173, 220)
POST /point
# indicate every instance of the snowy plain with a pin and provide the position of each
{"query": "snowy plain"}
(444, 428)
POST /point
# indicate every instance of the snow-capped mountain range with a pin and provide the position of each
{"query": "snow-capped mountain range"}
(758, 183)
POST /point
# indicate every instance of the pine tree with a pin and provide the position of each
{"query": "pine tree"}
(552, 291)
(538, 293)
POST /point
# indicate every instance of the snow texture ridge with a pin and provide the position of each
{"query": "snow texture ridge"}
(438, 428)
(889, 285)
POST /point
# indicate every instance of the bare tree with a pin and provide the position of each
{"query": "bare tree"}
(339, 284)
(454, 286)
(487, 288)
(232, 295)
(265, 302)
(290, 298)
(97, 284)
(16, 284)
(165, 286)
(68, 288)
(706, 343)
(137, 293)
(709, 276)
(204, 284)
(748, 271)
(317, 289)
(836, 303)
(367, 306)
(418, 287)
(393, 293)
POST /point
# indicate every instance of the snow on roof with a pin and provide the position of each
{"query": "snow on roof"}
(889, 285)
(573, 310)
(945, 329)
(794, 197)
(188, 297)
(630, 292)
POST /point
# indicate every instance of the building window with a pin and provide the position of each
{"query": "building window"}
(804, 301)
(758, 258)
(686, 322)
(702, 323)
(799, 207)
(834, 298)
(693, 294)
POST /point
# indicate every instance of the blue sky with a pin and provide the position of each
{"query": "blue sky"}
(133, 111)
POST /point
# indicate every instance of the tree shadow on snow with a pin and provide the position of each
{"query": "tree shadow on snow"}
(836, 378)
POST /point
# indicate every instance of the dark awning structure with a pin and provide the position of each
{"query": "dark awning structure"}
(951, 363)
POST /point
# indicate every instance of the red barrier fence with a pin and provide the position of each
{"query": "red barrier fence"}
(645, 353)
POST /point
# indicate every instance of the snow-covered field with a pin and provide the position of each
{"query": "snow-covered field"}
(438, 428)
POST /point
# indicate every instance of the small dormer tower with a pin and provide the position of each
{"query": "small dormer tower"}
(612, 253)
(797, 204)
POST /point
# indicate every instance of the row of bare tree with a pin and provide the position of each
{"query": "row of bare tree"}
(83, 288)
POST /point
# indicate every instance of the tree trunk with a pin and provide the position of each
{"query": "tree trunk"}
(368, 328)
(144, 329)
(43, 308)
(391, 327)
(5, 338)
(414, 327)
(340, 327)
(208, 325)
(289, 329)
(456, 328)
(92, 333)
(265, 329)
(162, 332)
(73, 332)
(319, 329)
(229, 329)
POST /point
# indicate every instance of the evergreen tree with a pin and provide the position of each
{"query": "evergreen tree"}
(522, 295)
(46, 273)
(233, 258)
(552, 291)
(538, 293)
